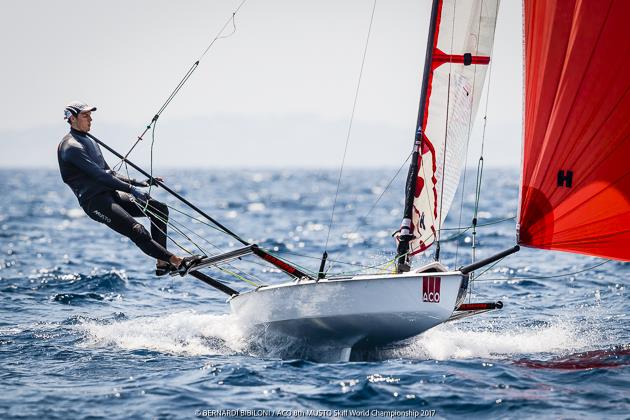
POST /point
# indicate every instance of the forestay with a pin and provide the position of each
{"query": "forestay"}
(575, 193)
(462, 43)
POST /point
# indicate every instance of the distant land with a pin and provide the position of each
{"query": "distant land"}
(238, 141)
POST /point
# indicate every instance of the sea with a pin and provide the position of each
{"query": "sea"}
(88, 331)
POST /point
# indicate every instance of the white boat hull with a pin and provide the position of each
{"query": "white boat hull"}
(362, 311)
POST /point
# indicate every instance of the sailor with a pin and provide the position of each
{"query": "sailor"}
(111, 198)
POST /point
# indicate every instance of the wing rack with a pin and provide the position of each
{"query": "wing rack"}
(223, 258)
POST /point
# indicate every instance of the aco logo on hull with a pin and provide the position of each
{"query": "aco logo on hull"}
(431, 289)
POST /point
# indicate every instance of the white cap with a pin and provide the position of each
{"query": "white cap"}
(75, 108)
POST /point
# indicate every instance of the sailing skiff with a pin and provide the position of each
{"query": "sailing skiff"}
(575, 185)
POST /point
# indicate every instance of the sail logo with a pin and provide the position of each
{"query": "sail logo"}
(431, 289)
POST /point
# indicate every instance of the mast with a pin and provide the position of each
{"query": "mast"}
(405, 236)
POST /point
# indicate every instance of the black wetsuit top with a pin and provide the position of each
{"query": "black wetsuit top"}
(84, 169)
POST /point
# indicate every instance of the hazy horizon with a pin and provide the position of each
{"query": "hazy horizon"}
(277, 93)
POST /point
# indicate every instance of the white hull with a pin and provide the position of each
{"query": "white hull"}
(361, 311)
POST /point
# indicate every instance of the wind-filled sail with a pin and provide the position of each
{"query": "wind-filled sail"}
(462, 43)
(575, 192)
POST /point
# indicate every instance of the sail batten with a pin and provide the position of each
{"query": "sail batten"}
(575, 192)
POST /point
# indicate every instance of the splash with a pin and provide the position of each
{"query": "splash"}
(181, 333)
(458, 341)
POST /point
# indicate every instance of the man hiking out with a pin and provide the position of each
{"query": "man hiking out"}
(111, 198)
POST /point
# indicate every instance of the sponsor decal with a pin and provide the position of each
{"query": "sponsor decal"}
(431, 289)
(102, 216)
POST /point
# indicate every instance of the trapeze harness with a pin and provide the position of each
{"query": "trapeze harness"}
(104, 194)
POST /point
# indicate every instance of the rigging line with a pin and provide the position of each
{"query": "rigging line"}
(203, 251)
(470, 124)
(220, 251)
(446, 125)
(376, 266)
(480, 164)
(548, 277)
(195, 219)
(486, 270)
(172, 223)
(189, 73)
(317, 258)
(439, 230)
(364, 218)
(151, 162)
(148, 212)
(465, 228)
(218, 36)
(354, 106)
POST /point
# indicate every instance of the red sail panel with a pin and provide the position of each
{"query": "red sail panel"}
(575, 192)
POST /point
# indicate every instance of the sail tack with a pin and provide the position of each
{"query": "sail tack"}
(575, 193)
(463, 38)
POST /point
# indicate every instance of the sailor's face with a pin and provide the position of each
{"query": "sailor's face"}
(83, 121)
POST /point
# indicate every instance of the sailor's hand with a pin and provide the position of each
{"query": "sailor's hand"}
(153, 181)
(139, 195)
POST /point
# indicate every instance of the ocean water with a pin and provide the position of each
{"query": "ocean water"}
(87, 330)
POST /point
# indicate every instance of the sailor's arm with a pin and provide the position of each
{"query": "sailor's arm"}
(127, 180)
(131, 181)
(78, 157)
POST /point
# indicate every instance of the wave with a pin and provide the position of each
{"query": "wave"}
(613, 357)
(181, 333)
(457, 341)
(66, 283)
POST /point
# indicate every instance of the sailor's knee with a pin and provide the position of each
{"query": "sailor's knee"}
(139, 233)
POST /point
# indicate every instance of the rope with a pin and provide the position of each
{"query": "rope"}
(354, 106)
(480, 162)
(385, 265)
(364, 218)
(483, 224)
(470, 124)
(183, 81)
(317, 258)
(448, 101)
(162, 217)
(547, 277)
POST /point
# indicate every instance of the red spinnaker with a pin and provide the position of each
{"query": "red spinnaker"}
(576, 156)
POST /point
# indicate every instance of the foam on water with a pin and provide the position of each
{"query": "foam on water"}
(181, 333)
(452, 341)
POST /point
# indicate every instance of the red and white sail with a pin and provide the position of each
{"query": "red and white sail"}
(464, 34)
(575, 193)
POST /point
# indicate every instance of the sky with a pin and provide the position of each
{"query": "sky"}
(278, 92)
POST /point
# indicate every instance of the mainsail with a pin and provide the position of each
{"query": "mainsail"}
(575, 193)
(460, 42)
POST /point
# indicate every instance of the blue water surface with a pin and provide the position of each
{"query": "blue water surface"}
(87, 330)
